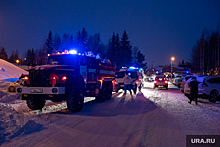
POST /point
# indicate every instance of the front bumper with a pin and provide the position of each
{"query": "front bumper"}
(40, 90)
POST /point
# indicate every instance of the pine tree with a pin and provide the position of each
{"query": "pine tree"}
(3, 54)
(140, 60)
(126, 50)
(49, 44)
(12, 58)
(57, 43)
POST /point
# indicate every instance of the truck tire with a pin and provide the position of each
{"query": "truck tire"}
(108, 91)
(36, 102)
(100, 97)
(74, 89)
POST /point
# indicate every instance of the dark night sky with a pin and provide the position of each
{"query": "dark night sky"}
(159, 28)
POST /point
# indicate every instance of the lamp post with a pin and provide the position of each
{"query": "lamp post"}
(172, 59)
(17, 61)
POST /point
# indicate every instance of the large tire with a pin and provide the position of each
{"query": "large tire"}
(100, 97)
(36, 102)
(213, 96)
(74, 93)
(108, 91)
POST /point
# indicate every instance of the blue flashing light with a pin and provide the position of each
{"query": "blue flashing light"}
(187, 71)
(157, 72)
(73, 51)
(124, 67)
(132, 67)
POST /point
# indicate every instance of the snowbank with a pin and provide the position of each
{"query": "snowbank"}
(10, 72)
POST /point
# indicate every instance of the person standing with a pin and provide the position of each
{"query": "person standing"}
(127, 82)
(193, 90)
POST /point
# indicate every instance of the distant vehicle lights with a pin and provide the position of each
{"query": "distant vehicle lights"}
(72, 51)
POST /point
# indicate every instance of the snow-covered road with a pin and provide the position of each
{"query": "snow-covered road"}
(153, 117)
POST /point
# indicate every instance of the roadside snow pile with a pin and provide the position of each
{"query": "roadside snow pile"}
(8, 97)
(13, 124)
(10, 72)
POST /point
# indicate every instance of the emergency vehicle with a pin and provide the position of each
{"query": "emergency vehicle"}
(136, 79)
(69, 77)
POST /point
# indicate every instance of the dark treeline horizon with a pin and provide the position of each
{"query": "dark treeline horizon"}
(118, 50)
(205, 59)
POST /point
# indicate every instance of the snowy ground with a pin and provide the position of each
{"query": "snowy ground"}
(153, 117)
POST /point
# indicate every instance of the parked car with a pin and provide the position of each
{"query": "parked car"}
(200, 86)
(23, 80)
(178, 81)
(182, 85)
(211, 88)
(161, 81)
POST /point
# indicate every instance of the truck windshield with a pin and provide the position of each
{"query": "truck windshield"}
(132, 74)
(66, 59)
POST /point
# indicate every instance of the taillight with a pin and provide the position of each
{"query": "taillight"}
(136, 81)
(166, 82)
(53, 79)
(26, 78)
(64, 78)
(155, 82)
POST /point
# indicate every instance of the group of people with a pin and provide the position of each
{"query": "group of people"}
(193, 87)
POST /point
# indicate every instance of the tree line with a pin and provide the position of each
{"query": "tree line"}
(205, 59)
(119, 49)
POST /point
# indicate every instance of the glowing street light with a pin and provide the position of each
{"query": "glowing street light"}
(172, 59)
(17, 61)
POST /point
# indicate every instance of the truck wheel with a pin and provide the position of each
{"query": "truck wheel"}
(74, 100)
(213, 96)
(100, 97)
(108, 92)
(74, 93)
(36, 102)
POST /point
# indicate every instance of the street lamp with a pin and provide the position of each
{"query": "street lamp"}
(17, 61)
(172, 59)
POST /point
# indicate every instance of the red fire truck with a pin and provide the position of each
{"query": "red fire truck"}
(69, 77)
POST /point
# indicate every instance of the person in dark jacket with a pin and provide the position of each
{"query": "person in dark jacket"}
(193, 90)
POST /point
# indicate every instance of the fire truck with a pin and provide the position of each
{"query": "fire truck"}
(69, 77)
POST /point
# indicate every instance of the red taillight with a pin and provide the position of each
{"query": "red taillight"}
(64, 78)
(26, 78)
(155, 82)
(53, 79)
(166, 82)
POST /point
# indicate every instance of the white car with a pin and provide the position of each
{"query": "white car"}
(13, 85)
(211, 88)
(200, 86)
(23, 80)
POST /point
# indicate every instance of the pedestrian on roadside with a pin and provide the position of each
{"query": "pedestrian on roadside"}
(193, 90)
(127, 82)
